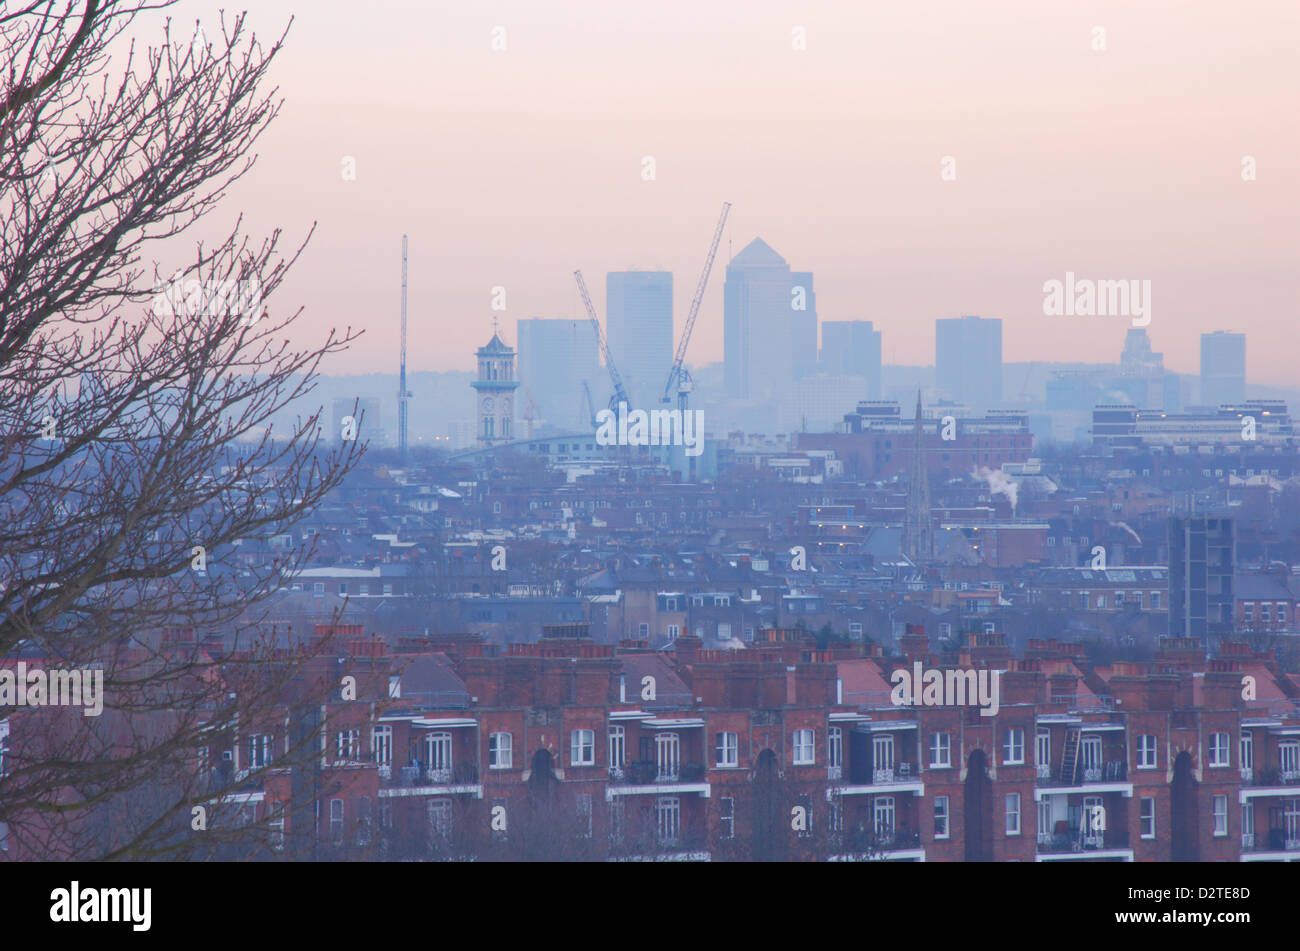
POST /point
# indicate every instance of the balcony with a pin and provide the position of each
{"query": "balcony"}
(1271, 844)
(682, 847)
(866, 844)
(902, 776)
(1269, 781)
(649, 776)
(1083, 844)
(1110, 776)
(416, 779)
(898, 773)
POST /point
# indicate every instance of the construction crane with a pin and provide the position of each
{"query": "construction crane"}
(591, 406)
(403, 395)
(679, 378)
(620, 392)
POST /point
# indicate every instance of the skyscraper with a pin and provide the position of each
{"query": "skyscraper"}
(639, 327)
(1223, 368)
(1141, 370)
(556, 358)
(853, 347)
(803, 324)
(769, 324)
(968, 360)
(1202, 554)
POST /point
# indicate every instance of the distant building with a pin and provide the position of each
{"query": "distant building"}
(877, 443)
(1228, 426)
(968, 359)
(853, 348)
(639, 327)
(1202, 554)
(766, 338)
(495, 388)
(559, 364)
(803, 324)
(1142, 370)
(1223, 368)
(818, 403)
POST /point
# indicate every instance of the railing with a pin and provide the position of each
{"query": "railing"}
(1082, 841)
(1083, 701)
(869, 841)
(433, 699)
(1270, 776)
(1271, 840)
(1111, 771)
(417, 774)
(653, 844)
(901, 772)
(1044, 771)
(649, 772)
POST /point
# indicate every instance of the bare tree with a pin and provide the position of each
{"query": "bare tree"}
(135, 447)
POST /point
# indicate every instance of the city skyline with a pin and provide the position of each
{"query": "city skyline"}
(1057, 169)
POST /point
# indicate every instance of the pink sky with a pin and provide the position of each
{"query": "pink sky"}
(512, 168)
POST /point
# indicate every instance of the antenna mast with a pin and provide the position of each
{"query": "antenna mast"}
(402, 394)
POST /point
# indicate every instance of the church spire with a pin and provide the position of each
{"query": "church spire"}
(918, 529)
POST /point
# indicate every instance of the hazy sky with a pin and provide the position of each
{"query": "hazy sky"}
(514, 167)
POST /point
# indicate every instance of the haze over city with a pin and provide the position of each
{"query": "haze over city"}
(511, 167)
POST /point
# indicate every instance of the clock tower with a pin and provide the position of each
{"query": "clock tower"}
(495, 388)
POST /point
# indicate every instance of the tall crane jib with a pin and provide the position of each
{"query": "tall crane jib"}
(620, 391)
(679, 380)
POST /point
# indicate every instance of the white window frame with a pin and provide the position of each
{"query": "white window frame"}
(727, 749)
(1148, 754)
(668, 757)
(501, 750)
(261, 748)
(1013, 747)
(438, 756)
(1147, 817)
(1220, 806)
(617, 739)
(942, 813)
(582, 748)
(347, 745)
(336, 821)
(940, 750)
(1044, 811)
(668, 820)
(727, 820)
(1220, 749)
(1013, 814)
(805, 747)
(834, 747)
(884, 817)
